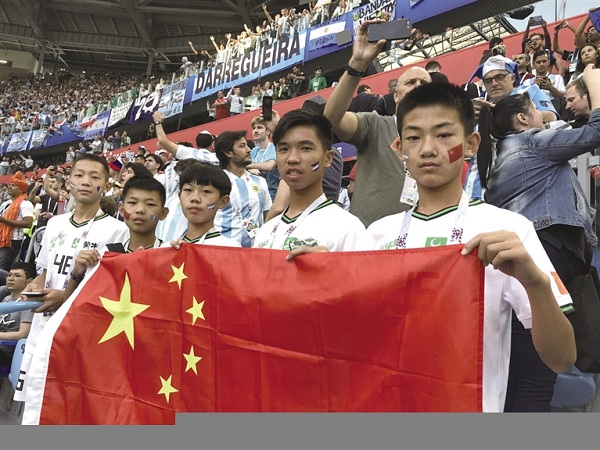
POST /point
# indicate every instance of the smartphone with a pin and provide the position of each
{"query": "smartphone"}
(267, 107)
(32, 294)
(537, 20)
(390, 31)
(116, 247)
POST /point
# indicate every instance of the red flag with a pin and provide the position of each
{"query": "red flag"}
(211, 328)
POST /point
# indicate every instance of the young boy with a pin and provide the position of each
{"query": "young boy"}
(16, 325)
(203, 190)
(66, 235)
(302, 140)
(434, 124)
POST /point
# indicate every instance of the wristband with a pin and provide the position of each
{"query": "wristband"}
(157, 122)
(77, 278)
(353, 72)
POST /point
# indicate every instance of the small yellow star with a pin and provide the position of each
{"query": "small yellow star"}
(123, 313)
(178, 275)
(196, 311)
(167, 388)
(192, 360)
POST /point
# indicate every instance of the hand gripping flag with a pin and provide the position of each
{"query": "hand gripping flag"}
(216, 329)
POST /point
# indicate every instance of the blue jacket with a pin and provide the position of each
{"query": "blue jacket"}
(532, 176)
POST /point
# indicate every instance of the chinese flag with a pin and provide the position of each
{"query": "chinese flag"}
(219, 329)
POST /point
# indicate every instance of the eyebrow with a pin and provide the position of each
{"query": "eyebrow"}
(437, 126)
(305, 141)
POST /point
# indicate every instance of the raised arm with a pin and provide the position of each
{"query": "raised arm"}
(364, 53)
(269, 18)
(192, 47)
(163, 140)
(212, 39)
(580, 39)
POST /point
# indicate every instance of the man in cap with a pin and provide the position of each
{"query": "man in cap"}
(16, 214)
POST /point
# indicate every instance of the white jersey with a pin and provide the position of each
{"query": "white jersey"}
(62, 241)
(243, 215)
(325, 224)
(173, 226)
(502, 293)
(211, 237)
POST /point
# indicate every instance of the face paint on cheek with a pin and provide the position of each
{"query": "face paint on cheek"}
(98, 188)
(72, 186)
(455, 153)
(126, 215)
(153, 218)
(211, 206)
(315, 167)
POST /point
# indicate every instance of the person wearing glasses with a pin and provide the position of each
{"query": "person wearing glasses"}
(500, 78)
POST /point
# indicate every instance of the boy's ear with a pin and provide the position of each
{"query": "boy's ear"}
(223, 201)
(329, 157)
(163, 214)
(107, 187)
(472, 144)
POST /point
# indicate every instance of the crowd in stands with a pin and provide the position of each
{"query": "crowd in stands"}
(465, 176)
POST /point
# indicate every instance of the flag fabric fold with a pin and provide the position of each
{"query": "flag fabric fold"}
(215, 329)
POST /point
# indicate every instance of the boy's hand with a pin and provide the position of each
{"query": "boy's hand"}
(505, 252)
(176, 243)
(305, 249)
(85, 259)
(363, 51)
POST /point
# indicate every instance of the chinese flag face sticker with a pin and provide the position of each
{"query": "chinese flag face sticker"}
(455, 153)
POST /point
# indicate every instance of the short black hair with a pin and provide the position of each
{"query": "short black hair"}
(362, 88)
(146, 184)
(442, 94)
(206, 174)
(305, 117)
(94, 158)
(28, 268)
(203, 140)
(225, 143)
(157, 159)
(432, 65)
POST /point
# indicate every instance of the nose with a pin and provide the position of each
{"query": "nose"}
(428, 147)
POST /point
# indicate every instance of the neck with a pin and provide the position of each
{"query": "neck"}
(84, 213)
(263, 144)
(198, 230)
(138, 240)
(434, 200)
(302, 199)
(236, 170)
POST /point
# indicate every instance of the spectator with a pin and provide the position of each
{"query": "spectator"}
(380, 174)
(433, 66)
(263, 155)
(221, 106)
(524, 64)
(16, 214)
(250, 199)
(295, 78)
(364, 100)
(125, 139)
(235, 100)
(317, 82)
(386, 105)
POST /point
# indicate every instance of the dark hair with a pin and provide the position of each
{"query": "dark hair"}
(203, 140)
(206, 174)
(145, 184)
(495, 41)
(497, 123)
(28, 268)
(362, 88)
(94, 158)
(432, 65)
(185, 144)
(439, 77)
(157, 159)
(225, 143)
(305, 117)
(581, 65)
(539, 53)
(438, 94)
(108, 205)
(138, 169)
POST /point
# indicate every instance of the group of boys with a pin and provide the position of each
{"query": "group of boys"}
(434, 125)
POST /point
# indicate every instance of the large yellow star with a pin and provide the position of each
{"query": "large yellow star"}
(196, 310)
(167, 388)
(123, 313)
(178, 275)
(192, 360)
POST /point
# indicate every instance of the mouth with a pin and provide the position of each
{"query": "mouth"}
(428, 166)
(138, 221)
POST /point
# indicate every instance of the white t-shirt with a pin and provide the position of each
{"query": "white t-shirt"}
(62, 241)
(211, 237)
(327, 224)
(502, 293)
(243, 215)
